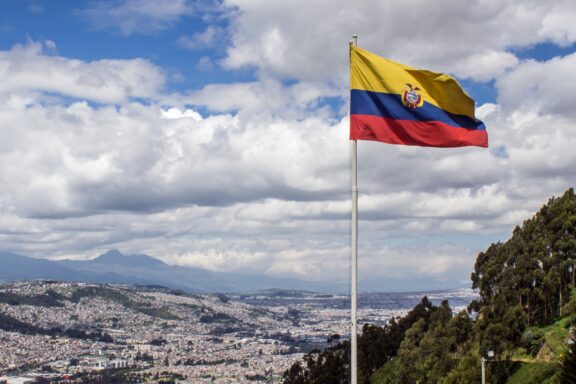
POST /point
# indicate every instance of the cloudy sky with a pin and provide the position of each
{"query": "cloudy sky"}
(214, 133)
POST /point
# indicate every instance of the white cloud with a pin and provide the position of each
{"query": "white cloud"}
(259, 180)
(50, 46)
(557, 24)
(175, 113)
(28, 69)
(486, 65)
(424, 260)
(540, 87)
(266, 95)
(205, 64)
(202, 40)
(466, 38)
(142, 158)
(135, 16)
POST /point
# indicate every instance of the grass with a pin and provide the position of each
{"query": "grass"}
(542, 372)
(556, 335)
(534, 373)
(554, 338)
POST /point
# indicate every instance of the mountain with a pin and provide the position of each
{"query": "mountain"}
(115, 267)
(152, 271)
(115, 257)
(20, 267)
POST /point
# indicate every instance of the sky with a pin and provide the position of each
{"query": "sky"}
(215, 133)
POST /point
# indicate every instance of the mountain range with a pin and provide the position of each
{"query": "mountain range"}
(116, 267)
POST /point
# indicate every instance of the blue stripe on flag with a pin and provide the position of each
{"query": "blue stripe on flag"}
(390, 105)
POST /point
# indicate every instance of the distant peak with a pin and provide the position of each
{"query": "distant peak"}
(114, 256)
(113, 253)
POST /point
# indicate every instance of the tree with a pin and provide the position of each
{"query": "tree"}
(376, 346)
(568, 372)
(432, 349)
(295, 374)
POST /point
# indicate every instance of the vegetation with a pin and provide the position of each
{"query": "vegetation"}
(216, 318)
(10, 324)
(534, 373)
(527, 289)
(376, 345)
(122, 299)
(568, 370)
(103, 292)
(50, 299)
(53, 299)
(223, 298)
(535, 270)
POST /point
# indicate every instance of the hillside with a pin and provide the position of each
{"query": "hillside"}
(525, 315)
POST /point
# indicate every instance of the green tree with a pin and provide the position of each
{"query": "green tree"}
(376, 346)
(568, 372)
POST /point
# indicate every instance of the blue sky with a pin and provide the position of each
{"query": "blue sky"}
(214, 133)
(79, 36)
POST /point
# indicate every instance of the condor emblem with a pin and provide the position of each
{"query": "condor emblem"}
(411, 98)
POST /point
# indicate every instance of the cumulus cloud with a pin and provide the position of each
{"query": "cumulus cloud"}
(267, 95)
(282, 38)
(486, 65)
(557, 25)
(25, 68)
(141, 158)
(253, 176)
(545, 88)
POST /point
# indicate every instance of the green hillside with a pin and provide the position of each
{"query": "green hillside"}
(527, 306)
(534, 373)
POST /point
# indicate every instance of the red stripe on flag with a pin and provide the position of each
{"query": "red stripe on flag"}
(409, 132)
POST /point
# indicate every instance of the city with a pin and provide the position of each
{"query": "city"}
(72, 329)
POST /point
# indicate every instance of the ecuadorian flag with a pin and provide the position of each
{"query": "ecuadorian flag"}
(397, 104)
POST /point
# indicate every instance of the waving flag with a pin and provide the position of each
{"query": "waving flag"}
(397, 104)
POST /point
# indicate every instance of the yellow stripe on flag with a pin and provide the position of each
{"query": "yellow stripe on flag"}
(370, 72)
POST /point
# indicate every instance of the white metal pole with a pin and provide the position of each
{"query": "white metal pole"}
(354, 271)
(483, 371)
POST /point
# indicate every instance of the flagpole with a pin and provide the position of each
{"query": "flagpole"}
(354, 268)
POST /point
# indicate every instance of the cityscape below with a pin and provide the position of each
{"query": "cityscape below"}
(76, 332)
